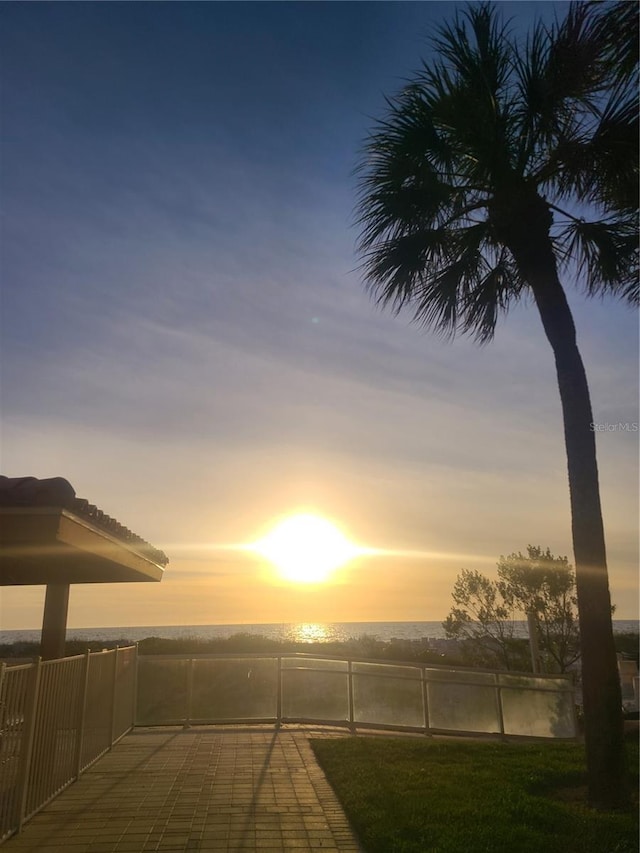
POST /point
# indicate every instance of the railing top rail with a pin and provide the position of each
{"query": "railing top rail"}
(115, 649)
(25, 663)
(13, 667)
(54, 661)
(380, 661)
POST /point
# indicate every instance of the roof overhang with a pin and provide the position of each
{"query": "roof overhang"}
(50, 545)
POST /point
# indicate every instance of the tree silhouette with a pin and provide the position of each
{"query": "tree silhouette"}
(543, 586)
(499, 166)
(485, 611)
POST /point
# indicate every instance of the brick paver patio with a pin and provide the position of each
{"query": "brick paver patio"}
(200, 789)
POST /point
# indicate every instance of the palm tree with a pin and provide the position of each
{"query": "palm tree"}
(500, 165)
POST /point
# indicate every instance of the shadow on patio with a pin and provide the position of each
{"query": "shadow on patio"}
(222, 789)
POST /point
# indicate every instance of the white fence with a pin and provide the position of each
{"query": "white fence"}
(178, 690)
(56, 718)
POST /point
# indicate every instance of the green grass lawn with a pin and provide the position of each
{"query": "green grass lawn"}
(405, 795)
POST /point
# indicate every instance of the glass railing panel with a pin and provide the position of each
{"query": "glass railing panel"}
(463, 707)
(395, 701)
(538, 713)
(234, 689)
(315, 694)
(162, 690)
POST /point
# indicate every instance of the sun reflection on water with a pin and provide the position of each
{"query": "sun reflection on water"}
(310, 632)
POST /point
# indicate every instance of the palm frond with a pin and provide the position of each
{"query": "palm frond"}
(574, 61)
(602, 167)
(468, 89)
(558, 72)
(498, 285)
(454, 280)
(571, 89)
(531, 106)
(606, 254)
(395, 268)
(406, 180)
(439, 300)
(480, 52)
(618, 29)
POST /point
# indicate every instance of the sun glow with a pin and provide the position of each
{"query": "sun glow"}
(306, 548)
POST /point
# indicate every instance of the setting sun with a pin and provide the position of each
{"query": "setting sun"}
(306, 548)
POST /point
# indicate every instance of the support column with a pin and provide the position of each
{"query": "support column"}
(54, 622)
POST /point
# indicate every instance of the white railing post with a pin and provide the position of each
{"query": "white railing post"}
(350, 694)
(114, 697)
(425, 701)
(3, 668)
(82, 712)
(134, 686)
(27, 745)
(279, 694)
(189, 708)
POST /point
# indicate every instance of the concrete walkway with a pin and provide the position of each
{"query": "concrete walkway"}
(200, 789)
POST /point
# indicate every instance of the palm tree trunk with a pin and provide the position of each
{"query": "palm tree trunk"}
(604, 732)
(600, 680)
(522, 220)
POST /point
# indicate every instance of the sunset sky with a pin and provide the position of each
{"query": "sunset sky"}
(186, 336)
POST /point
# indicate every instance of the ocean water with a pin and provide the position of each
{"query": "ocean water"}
(310, 632)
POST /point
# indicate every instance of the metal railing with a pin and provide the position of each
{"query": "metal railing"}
(56, 718)
(208, 689)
